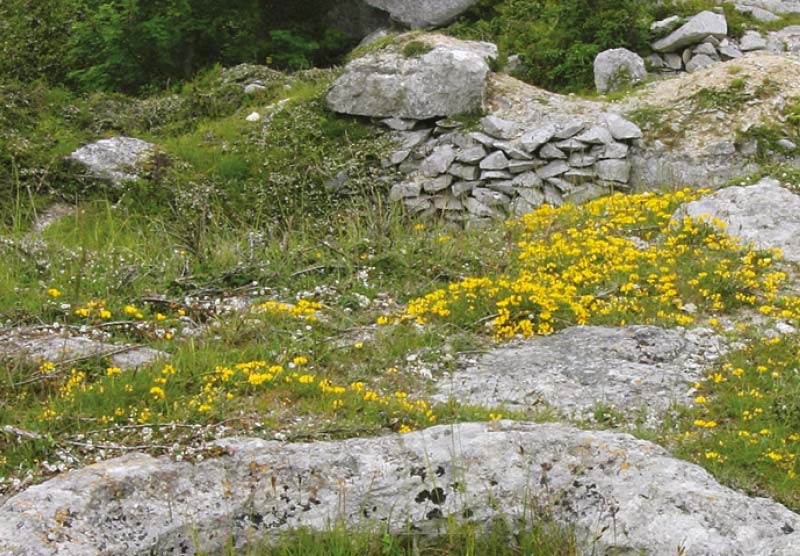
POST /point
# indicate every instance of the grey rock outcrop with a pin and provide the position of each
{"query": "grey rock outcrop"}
(764, 214)
(622, 495)
(38, 347)
(356, 19)
(616, 68)
(635, 368)
(423, 14)
(115, 159)
(449, 79)
(699, 27)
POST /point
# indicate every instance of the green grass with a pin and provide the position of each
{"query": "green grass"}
(537, 537)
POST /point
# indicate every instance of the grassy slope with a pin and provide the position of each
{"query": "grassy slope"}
(356, 305)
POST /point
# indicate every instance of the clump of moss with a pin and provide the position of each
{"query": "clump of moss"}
(415, 49)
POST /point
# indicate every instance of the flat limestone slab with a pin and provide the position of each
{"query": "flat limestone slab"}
(623, 495)
(630, 368)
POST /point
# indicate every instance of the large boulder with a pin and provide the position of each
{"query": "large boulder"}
(440, 76)
(698, 28)
(423, 14)
(616, 68)
(764, 214)
(622, 495)
(115, 159)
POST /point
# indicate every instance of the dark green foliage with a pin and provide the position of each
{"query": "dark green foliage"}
(557, 40)
(128, 45)
(415, 49)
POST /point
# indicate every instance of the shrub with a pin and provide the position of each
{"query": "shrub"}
(557, 40)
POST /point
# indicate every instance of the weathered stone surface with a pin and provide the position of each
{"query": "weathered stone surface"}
(694, 31)
(495, 161)
(476, 208)
(462, 188)
(550, 151)
(500, 128)
(61, 349)
(532, 140)
(113, 159)
(614, 150)
(439, 183)
(765, 214)
(496, 175)
(527, 179)
(489, 197)
(580, 160)
(730, 52)
(464, 171)
(622, 129)
(613, 169)
(758, 13)
(423, 14)
(356, 19)
(699, 62)
(596, 135)
(608, 485)
(405, 189)
(519, 166)
(752, 40)
(706, 48)
(569, 128)
(472, 155)
(673, 61)
(506, 187)
(570, 145)
(399, 124)
(411, 139)
(629, 368)
(617, 68)
(665, 25)
(585, 193)
(512, 151)
(552, 169)
(438, 161)
(448, 80)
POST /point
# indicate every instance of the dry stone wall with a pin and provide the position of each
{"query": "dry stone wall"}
(507, 169)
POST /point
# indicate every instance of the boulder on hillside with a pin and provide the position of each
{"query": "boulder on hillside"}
(616, 68)
(698, 28)
(622, 495)
(115, 159)
(418, 79)
(423, 14)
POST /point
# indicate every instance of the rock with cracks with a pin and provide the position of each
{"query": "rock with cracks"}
(617, 68)
(764, 214)
(632, 369)
(705, 24)
(621, 494)
(115, 159)
(449, 79)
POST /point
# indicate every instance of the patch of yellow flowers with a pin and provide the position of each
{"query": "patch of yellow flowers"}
(612, 261)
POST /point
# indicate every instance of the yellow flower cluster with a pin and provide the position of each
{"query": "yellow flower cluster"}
(615, 260)
(303, 309)
(93, 309)
(247, 377)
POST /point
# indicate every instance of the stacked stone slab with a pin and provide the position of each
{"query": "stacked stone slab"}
(703, 40)
(506, 168)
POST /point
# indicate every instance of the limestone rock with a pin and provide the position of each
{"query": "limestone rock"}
(630, 368)
(423, 14)
(355, 19)
(498, 127)
(596, 135)
(694, 31)
(608, 485)
(113, 159)
(622, 129)
(752, 40)
(532, 140)
(613, 169)
(699, 62)
(405, 189)
(616, 68)
(449, 79)
(495, 161)
(58, 349)
(555, 168)
(550, 151)
(765, 214)
(438, 161)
